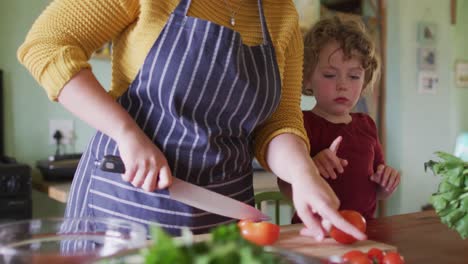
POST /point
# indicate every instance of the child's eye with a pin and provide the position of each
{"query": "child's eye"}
(328, 75)
(355, 77)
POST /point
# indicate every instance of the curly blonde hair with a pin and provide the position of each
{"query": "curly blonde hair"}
(352, 37)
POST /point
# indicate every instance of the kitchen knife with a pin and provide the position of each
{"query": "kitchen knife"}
(194, 195)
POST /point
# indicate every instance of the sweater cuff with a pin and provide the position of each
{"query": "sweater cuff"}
(66, 64)
(263, 141)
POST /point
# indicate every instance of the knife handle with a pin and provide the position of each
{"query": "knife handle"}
(110, 163)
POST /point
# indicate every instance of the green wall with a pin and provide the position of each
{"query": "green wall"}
(419, 124)
(461, 53)
(27, 107)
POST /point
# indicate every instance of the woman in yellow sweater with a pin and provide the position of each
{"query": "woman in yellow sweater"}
(197, 87)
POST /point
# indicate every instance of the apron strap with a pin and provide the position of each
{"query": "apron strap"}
(182, 8)
(265, 32)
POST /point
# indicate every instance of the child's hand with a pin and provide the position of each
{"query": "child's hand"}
(327, 161)
(388, 178)
(145, 164)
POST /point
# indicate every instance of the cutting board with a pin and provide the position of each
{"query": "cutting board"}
(290, 239)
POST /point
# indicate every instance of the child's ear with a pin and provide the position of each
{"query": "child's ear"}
(307, 87)
(308, 81)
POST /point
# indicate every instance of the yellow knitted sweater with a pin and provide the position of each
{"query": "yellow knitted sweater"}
(64, 37)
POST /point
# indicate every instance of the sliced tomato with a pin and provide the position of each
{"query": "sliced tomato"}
(356, 257)
(393, 258)
(352, 254)
(356, 219)
(260, 233)
(376, 255)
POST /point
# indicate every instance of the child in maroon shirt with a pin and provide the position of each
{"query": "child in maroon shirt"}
(340, 63)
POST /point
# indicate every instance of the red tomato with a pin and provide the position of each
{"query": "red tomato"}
(260, 233)
(352, 254)
(393, 258)
(376, 255)
(356, 257)
(355, 219)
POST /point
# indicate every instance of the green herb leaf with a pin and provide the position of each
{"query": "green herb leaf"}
(164, 249)
(438, 202)
(454, 175)
(448, 158)
(453, 217)
(464, 204)
(446, 186)
(226, 246)
(462, 227)
(451, 199)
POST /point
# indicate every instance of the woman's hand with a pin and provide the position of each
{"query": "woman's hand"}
(317, 206)
(388, 178)
(315, 201)
(145, 164)
(327, 161)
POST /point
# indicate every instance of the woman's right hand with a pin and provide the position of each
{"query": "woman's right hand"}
(145, 165)
(327, 161)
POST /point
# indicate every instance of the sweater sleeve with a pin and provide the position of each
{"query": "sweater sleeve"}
(288, 116)
(66, 34)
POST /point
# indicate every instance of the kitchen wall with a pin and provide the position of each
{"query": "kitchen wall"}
(417, 125)
(27, 107)
(461, 53)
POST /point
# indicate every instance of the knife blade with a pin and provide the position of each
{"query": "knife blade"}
(195, 195)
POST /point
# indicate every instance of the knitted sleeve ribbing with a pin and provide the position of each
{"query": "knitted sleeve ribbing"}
(65, 35)
(288, 116)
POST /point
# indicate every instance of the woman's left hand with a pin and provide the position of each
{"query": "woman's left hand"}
(314, 200)
(317, 206)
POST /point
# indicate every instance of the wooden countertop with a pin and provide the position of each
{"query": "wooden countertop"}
(55, 190)
(262, 181)
(419, 237)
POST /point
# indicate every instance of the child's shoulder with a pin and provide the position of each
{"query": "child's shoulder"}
(362, 117)
(364, 122)
(310, 116)
(308, 113)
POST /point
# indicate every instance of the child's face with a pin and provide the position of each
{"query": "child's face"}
(337, 83)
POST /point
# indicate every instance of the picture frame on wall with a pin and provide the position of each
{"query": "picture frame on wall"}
(461, 74)
(427, 33)
(427, 58)
(428, 82)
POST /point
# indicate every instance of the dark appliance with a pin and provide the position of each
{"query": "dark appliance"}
(59, 167)
(15, 179)
(15, 192)
(2, 147)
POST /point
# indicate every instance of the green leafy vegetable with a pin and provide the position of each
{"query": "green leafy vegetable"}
(451, 199)
(226, 246)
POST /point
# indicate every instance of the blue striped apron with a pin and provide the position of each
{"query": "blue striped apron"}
(199, 96)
